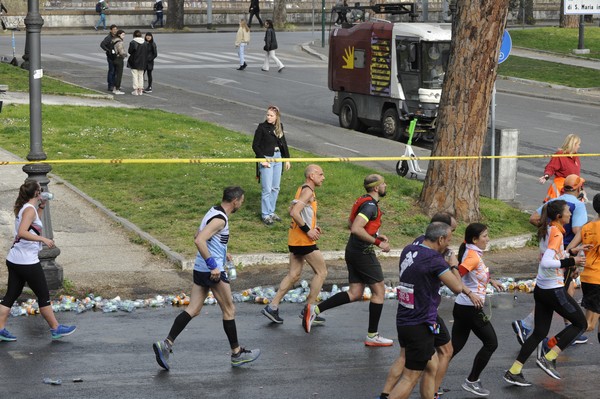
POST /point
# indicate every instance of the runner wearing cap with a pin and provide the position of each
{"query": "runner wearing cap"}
(573, 189)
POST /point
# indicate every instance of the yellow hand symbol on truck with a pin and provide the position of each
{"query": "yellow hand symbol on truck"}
(348, 58)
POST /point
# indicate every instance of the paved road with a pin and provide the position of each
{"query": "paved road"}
(112, 354)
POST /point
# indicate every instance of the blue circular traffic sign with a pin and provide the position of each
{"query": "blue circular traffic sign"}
(505, 47)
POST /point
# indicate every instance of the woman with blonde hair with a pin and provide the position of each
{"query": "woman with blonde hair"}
(561, 167)
(242, 39)
(269, 143)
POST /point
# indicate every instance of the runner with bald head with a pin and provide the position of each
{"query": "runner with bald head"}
(363, 266)
(302, 243)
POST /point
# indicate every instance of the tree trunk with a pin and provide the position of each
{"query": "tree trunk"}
(279, 14)
(175, 14)
(567, 21)
(453, 186)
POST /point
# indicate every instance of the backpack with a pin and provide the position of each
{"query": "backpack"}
(98, 7)
(111, 53)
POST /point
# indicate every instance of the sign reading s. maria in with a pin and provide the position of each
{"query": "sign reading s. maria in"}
(582, 7)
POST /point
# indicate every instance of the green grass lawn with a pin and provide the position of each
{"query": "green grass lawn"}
(557, 40)
(168, 201)
(17, 79)
(550, 72)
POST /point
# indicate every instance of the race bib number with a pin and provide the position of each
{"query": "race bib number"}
(406, 296)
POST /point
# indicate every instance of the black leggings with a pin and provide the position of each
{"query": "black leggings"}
(546, 303)
(467, 319)
(33, 275)
(149, 73)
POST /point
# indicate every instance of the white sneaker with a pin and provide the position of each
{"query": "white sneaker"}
(134, 93)
(119, 92)
(378, 340)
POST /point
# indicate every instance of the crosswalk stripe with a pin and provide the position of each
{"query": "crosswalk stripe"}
(190, 60)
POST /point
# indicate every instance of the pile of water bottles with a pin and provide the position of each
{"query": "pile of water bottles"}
(259, 295)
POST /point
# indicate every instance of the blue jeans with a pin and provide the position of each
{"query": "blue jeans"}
(270, 178)
(159, 18)
(241, 51)
(101, 21)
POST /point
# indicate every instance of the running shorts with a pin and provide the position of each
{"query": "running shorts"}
(443, 337)
(302, 250)
(418, 344)
(363, 268)
(591, 297)
(203, 279)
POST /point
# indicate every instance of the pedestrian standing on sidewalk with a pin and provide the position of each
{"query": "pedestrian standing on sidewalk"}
(302, 244)
(561, 167)
(158, 10)
(269, 143)
(270, 47)
(254, 10)
(362, 263)
(211, 240)
(23, 263)
(107, 46)
(152, 54)
(550, 296)
(138, 57)
(101, 8)
(468, 314)
(242, 39)
(118, 62)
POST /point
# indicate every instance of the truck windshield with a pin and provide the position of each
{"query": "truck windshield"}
(435, 61)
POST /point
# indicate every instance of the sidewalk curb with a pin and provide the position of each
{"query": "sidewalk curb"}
(246, 260)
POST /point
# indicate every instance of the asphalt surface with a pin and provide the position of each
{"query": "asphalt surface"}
(112, 352)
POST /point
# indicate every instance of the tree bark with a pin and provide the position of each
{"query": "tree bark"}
(279, 14)
(453, 186)
(175, 14)
(567, 21)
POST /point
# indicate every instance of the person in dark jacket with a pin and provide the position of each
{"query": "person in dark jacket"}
(107, 46)
(138, 58)
(270, 47)
(254, 10)
(158, 9)
(269, 143)
(152, 54)
(120, 55)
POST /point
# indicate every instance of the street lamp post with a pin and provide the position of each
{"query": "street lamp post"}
(39, 171)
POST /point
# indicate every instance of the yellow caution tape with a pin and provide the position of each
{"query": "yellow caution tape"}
(304, 160)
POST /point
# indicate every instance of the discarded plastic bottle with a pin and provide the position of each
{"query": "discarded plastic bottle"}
(16, 311)
(231, 271)
(46, 196)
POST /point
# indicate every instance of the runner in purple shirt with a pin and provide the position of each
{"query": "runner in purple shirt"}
(422, 267)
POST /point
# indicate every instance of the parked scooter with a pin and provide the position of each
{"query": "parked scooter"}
(410, 168)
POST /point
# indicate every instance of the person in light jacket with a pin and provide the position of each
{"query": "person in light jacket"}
(118, 60)
(242, 39)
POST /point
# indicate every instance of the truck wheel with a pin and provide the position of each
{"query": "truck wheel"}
(349, 117)
(402, 168)
(390, 125)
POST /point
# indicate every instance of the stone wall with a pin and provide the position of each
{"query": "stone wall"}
(80, 13)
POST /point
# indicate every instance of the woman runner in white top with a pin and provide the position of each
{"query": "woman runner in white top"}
(23, 263)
